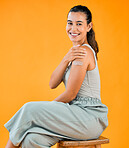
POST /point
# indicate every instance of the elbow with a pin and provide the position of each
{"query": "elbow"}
(51, 86)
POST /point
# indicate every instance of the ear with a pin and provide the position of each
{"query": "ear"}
(90, 25)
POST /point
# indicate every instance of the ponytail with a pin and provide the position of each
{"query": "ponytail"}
(92, 42)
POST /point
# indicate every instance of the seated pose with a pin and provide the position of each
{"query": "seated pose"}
(77, 113)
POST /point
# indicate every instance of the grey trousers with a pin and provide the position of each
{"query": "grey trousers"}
(42, 124)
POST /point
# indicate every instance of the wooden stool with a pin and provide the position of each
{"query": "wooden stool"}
(96, 143)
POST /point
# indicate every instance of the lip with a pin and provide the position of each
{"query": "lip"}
(74, 35)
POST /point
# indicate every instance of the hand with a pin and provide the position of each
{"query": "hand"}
(76, 52)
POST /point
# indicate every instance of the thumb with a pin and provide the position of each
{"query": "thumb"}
(76, 45)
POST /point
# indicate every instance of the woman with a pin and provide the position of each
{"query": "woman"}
(76, 114)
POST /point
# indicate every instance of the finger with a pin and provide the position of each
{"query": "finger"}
(79, 51)
(76, 45)
(79, 54)
(82, 48)
(78, 58)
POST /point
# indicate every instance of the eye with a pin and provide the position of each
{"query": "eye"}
(70, 23)
(79, 24)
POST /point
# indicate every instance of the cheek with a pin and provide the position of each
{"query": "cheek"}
(67, 29)
(83, 30)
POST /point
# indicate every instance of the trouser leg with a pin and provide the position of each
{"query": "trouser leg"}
(50, 118)
(54, 119)
(33, 140)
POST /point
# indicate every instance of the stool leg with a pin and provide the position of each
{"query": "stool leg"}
(91, 146)
(98, 146)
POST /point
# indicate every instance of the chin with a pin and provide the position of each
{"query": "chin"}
(76, 40)
(73, 40)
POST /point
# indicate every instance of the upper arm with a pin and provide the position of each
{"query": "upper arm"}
(77, 74)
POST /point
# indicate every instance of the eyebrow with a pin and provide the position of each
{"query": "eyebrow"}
(76, 21)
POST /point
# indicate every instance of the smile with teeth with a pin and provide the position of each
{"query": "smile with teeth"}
(74, 34)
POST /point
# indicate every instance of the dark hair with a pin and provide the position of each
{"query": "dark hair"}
(91, 34)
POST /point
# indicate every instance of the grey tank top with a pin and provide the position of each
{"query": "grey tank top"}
(91, 83)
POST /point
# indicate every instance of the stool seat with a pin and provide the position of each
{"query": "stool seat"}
(95, 143)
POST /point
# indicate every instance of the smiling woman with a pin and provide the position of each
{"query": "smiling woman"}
(76, 114)
(77, 27)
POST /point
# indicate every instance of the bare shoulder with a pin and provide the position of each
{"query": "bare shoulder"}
(88, 50)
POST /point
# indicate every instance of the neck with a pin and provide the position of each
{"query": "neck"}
(79, 43)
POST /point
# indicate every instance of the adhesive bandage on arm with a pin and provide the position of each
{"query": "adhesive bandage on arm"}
(77, 63)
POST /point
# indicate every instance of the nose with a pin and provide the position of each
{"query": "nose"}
(73, 28)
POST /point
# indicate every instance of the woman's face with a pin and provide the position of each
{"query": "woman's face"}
(77, 27)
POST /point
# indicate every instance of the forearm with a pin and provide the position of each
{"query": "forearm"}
(58, 73)
(65, 97)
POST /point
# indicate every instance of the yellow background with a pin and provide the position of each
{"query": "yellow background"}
(33, 42)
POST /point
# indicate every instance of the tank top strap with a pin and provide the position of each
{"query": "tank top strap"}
(92, 50)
